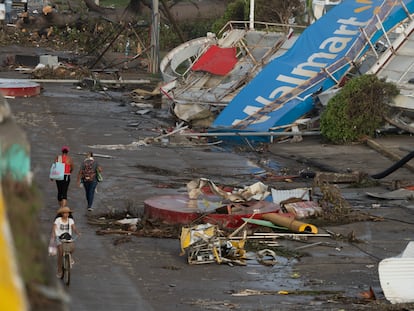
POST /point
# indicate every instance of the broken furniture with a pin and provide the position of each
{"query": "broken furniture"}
(203, 244)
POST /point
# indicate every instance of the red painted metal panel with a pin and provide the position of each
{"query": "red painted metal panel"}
(19, 89)
(217, 60)
(178, 209)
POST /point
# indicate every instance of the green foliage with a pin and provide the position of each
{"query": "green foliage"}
(114, 3)
(169, 38)
(278, 11)
(357, 110)
(195, 30)
(236, 11)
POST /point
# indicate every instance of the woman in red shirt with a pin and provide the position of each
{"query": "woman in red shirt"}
(63, 185)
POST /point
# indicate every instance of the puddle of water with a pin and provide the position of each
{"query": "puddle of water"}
(58, 95)
(271, 165)
(265, 166)
(281, 276)
(255, 170)
(256, 166)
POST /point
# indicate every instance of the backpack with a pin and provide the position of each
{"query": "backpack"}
(89, 171)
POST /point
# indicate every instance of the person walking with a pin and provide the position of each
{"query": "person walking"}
(88, 177)
(63, 224)
(63, 185)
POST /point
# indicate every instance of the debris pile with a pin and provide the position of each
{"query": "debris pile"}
(205, 243)
(61, 72)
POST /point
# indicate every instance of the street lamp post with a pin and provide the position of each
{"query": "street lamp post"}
(251, 15)
(155, 38)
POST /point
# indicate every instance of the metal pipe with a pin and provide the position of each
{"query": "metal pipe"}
(291, 223)
(78, 81)
(253, 134)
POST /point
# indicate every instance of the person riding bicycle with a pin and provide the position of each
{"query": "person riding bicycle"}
(63, 228)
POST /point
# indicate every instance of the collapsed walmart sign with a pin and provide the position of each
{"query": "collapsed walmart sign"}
(281, 92)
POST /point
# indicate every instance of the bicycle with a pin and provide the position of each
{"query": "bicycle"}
(67, 248)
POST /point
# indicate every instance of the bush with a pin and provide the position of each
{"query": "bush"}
(357, 110)
(169, 39)
(237, 10)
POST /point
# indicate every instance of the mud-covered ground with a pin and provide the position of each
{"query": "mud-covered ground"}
(128, 272)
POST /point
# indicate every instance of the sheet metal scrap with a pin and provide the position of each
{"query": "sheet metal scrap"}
(204, 244)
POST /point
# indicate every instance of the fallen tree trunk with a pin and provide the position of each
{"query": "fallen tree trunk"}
(76, 16)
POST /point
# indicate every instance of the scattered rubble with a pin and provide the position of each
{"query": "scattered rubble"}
(300, 210)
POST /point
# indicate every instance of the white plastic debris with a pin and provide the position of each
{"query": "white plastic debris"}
(396, 276)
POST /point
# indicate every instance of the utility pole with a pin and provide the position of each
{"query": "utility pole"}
(155, 38)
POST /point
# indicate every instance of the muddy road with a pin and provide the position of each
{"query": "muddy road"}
(114, 272)
(144, 273)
